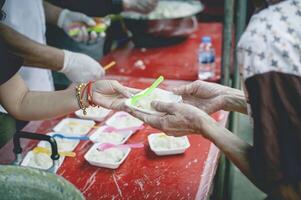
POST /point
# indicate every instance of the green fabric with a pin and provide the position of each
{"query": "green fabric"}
(7, 128)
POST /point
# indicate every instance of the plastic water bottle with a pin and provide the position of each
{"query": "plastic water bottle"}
(206, 59)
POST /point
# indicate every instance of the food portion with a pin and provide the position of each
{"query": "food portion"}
(112, 155)
(164, 142)
(144, 104)
(122, 120)
(38, 160)
(113, 138)
(74, 126)
(62, 144)
(169, 10)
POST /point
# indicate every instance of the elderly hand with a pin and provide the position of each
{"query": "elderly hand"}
(142, 6)
(81, 68)
(212, 97)
(111, 94)
(69, 20)
(181, 119)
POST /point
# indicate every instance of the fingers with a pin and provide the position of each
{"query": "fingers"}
(121, 89)
(184, 90)
(163, 107)
(154, 121)
(87, 20)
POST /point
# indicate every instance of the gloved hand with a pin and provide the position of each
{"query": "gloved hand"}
(142, 6)
(69, 20)
(81, 68)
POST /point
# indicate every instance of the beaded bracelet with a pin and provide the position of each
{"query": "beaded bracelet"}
(79, 90)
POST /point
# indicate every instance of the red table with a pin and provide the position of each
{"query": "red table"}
(177, 62)
(143, 175)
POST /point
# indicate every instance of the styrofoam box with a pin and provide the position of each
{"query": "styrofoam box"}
(62, 143)
(99, 132)
(164, 152)
(88, 158)
(94, 113)
(78, 127)
(29, 156)
(123, 120)
(160, 95)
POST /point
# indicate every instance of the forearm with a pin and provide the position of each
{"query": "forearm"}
(235, 100)
(236, 150)
(52, 13)
(34, 54)
(27, 105)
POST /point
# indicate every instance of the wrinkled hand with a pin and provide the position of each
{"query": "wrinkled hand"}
(142, 6)
(210, 97)
(111, 94)
(80, 68)
(69, 20)
(180, 119)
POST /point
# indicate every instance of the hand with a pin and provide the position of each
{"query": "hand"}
(142, 6)
(81, 68)
(111, 94)
(212, 97)
(69, 20)
(181, 119)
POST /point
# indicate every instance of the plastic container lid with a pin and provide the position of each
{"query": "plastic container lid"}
(206, 39)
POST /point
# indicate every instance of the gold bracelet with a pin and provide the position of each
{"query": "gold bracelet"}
(79, 91)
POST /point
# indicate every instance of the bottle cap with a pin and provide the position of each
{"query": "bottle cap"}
(206, 39)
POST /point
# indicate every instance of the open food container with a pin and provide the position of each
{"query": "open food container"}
(110, 158)
(94, 113)
(73, 126)
(144, 104)
(63, 144)
(163, 145)
(121, 120)
(102, 136)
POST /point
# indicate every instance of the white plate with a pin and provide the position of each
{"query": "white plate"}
(72, 126)
(123, 120)
(94, 113)
(99, 136)
(62, 144)
(91, 159)
(44, 161)
(167, 151)
(158, 95)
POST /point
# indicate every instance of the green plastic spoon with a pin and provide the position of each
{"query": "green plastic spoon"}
(137, 97)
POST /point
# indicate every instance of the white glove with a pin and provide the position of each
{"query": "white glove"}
(69, 20)
(81, 68)
(142, 6)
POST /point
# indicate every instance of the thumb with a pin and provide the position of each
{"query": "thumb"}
(182, 90)
(121, 89)
(87, 20)
(163, 107)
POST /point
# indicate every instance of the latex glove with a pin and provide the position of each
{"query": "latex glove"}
(81, 68)
(75, 20)
(142, 6)
(212, 97)
(111, 94)
(180, 119)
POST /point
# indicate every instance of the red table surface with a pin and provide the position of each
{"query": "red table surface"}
(177, 62)
(143, 175)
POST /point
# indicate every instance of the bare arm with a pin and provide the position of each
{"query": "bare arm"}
(34, 54)
(52, 13)
(27, 105)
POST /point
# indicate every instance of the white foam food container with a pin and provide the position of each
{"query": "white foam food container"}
(73, 126)
(62, 143)
(163, 151)
(94, 113)
(93, 154)
(100, 136)
(123, 120)
(40, 161)
(144, 104)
